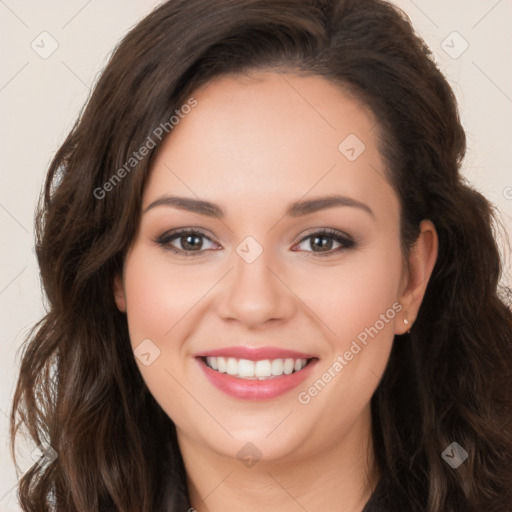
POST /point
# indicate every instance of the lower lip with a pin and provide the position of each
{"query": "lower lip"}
(248, 389)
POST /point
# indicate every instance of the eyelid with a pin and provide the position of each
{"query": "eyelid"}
(345, 240)
(164, 240)
(328, 231)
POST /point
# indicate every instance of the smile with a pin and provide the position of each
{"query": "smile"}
(261, 370)
(255, 373)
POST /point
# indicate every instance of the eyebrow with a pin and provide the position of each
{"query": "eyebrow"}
(295, 209)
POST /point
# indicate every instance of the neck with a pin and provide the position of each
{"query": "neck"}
(339, 476)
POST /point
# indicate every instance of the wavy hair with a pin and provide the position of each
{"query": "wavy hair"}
(79, 388)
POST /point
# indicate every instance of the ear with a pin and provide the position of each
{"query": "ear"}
(119, 295)
(422, 258)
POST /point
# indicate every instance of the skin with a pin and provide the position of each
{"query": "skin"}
(253, 145)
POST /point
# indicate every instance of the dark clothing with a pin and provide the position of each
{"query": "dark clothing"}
(376, 503)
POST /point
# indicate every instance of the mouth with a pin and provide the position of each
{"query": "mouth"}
(255, 374)
(263, 369)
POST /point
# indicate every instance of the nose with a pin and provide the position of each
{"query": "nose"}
(255, 294)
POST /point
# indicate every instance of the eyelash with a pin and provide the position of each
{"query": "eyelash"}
(345, 241)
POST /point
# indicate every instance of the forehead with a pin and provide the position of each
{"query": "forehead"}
(275, 136)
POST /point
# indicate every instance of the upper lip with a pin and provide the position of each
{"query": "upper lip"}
(254, 354)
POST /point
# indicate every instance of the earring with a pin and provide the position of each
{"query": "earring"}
(406, 322)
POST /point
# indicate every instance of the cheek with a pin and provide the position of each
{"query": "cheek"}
(359, 307)
(159, 295)
(352, 297)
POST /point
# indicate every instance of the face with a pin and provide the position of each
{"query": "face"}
(262, 304)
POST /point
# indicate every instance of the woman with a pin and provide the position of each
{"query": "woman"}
(269, 286)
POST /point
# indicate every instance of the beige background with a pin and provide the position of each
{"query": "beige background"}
(40, 98)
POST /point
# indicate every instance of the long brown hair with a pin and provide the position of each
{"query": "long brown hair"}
(79, 389)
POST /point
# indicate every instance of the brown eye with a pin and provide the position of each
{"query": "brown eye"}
(326, 242)
(186, 242)
(191, 242)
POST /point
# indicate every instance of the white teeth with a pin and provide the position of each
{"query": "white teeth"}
(221, 364)
(277, 366)
(263, 369)
(232, 366)
(246, 368)
(212, 362)
(288, 366)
